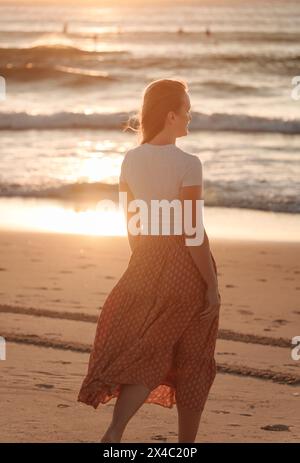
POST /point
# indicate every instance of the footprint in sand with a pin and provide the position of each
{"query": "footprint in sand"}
(230, 286)
(60, 361)
(226, 353)
(109, 277)
(224, 412)
(87, 266)
(2, 269)
(44, 386)
(245, 312)
(261, 279)
(63, 406)
(276, 427)
(280, 321)
(159, 437)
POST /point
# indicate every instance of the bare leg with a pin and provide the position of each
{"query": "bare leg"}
(188, 424)
(130, 399)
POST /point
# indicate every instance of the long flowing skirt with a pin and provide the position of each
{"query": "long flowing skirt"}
(150, 330)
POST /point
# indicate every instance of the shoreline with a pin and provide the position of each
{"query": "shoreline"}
(85, 218)
(217, 240)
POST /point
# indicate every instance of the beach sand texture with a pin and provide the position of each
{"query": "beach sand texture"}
(52, 288)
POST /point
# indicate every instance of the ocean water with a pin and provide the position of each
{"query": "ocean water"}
(75, 73)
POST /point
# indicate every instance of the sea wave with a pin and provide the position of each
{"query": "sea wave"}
(71, 75)
(216, 195)
(229, 87)
(186, 33)
(115, 121)
(43, 51)
(64, 54)
(31, 72)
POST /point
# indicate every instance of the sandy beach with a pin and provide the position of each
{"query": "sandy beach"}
(75, 102)
(52, 287)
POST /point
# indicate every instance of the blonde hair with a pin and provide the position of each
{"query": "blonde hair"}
(159, 97)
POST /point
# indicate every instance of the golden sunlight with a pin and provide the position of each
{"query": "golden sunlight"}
(51, 216)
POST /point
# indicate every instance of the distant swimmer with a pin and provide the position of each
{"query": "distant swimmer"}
(65, 28)
(95, 36)
(207, 32)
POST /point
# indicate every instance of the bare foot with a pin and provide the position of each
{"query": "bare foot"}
(111, 436)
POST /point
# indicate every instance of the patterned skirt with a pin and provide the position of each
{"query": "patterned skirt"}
(150, 330)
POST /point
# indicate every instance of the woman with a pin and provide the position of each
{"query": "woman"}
(157, 330)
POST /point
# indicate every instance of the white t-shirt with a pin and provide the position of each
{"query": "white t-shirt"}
(158, 171)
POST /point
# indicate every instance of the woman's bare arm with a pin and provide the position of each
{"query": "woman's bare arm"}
(201, 254)
(133, 239)
(202, 257)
